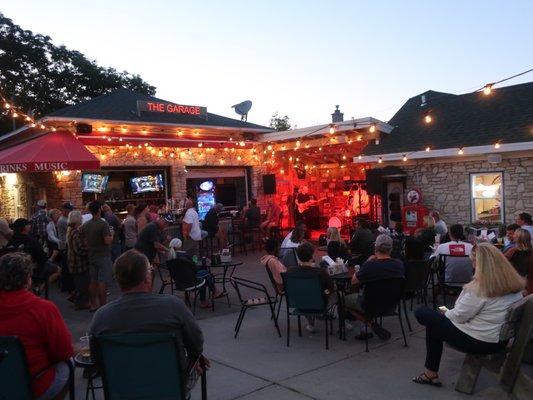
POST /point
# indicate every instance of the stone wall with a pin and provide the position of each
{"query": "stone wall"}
(445, 184)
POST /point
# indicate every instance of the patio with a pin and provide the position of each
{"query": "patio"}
(258, 365)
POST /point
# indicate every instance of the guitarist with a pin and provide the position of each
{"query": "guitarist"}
(302, 209)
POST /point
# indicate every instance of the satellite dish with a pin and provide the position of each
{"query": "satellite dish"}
(242, 109)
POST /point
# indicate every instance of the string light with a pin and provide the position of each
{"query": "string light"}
(404, 158)
(242, 144)
(428, 149)
(269, 147)
(428, 118)
(15, 115)
(344, 157)
(380, 160)
(487, 89)
(372, 128)
(497, 145)
(460, 152)
(200, 144)
(332, 129)
(359, 156)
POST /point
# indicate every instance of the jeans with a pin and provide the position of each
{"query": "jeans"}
(440, 329)
(209, 282)
(116, 251)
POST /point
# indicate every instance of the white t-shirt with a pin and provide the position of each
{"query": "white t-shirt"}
(86, 217)
(458, 248)
(191, 217)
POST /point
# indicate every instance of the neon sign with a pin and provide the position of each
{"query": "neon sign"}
(164, 107)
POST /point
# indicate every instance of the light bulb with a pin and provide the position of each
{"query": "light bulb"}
(298, 143)
(15, 115)
(344, 157)
(487, 89)
(497, 145)
(380, 160)
(200, 144)
(372, 128)
(404, 158)
(460, 152)
(241, 144)
(428, 148)
(360, 157)
(428, 119)
(269, 147)
(332, 129)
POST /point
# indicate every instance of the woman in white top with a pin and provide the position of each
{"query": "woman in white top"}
(52, 238)
(473, 325)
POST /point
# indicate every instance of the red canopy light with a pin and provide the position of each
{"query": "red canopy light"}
(54, 151)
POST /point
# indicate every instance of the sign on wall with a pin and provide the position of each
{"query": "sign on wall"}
(163, 107)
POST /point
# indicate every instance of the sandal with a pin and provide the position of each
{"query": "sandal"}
(423, 379)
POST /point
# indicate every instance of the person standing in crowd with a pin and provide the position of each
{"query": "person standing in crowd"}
(114, 223)
(141, 215)
(52, 239)
(252, 216)
(272, 262)
(427, 234)
(67, 284)
(521, 255)
(473, 325)
(272, 218)
(440, 226)
(78, 260)
(140, 311)
(152, 237)
(212, 226)
(22, 241)
(362, 241)
(130, 228)
(38, 325)
(98, 238)
(379, 267)
(5, 231)
(509, 237)
(39, 221)
(524, 220)
(192, 233)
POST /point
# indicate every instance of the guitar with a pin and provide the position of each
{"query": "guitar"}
(303, 207)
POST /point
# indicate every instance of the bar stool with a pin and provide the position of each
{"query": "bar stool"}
(207, 245)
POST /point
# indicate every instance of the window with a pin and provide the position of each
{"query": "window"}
(487, 197)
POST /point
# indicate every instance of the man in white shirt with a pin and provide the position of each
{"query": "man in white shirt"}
(457, 270)
(525, 221)
(192, 233)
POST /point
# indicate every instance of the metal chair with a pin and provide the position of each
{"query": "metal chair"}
(15, 378)
(416, 281)
(183, 274)
(279, 293)
(288, 256)
(265, 300)
(143, 365)
(304, 295)
(452, 273)
(237, 235)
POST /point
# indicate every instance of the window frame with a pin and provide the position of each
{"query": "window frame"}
(502, 194)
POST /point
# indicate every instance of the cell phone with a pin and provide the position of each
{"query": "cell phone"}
(443, 309)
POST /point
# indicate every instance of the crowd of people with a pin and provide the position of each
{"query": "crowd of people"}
(87, 249)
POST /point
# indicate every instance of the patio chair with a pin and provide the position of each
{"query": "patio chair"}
(304, 295)
(381, 299)
(519, 327)
(183, 274)
(453, 272)
(252, 302)
(280, 294)
(237, 235)
(143, 366)
(15, 379)
(165, 280)
(416, 281)
(288, 256)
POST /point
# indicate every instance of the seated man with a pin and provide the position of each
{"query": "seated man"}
(306, 263)
(272, 218)
(362, 240)
(456, 270)
(379, 267)
(39, 326)
(509, 237)
(140, 311)
(272, 262)
(211, 225)
(252, 216)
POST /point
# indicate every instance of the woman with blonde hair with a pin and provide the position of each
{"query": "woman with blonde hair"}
(427, 234)
(473, 325)
(336, 246)
(521, 255)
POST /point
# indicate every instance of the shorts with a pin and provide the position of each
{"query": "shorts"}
(44, 272)
(100, 269)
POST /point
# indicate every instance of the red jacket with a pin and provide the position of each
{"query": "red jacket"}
(42, 331)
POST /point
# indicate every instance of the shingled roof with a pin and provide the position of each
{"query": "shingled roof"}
(121, 105)
(471, 119)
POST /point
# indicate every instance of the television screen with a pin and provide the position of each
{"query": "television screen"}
(148, 183)
(94, 183)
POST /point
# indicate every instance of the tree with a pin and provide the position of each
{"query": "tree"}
(41, 77)
(280, 123)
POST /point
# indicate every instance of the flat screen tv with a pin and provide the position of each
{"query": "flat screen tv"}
(94, 183)
(147, 183)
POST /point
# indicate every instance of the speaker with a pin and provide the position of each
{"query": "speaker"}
(269, 184)
(374, 181)
(84, 128)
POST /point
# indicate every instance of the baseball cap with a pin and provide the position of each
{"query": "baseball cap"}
(41, 203)
(20, 223)
(168, 218)
(383, 243)
(67, 206)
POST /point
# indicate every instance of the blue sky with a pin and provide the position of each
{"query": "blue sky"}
(299, 58)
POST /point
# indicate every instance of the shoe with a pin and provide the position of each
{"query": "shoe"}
(380, 332)
(310, 328)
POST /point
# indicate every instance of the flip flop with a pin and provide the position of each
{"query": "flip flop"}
(423, 379)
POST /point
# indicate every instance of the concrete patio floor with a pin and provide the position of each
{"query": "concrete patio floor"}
(258, 364)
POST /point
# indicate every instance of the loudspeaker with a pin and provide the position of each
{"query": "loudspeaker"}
(84, 128)
(374, 181)
(269, 184)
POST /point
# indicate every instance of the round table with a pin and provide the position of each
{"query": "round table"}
(222, 277)
(89, 371)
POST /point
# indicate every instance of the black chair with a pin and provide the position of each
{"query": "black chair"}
(183, 274)
(275, 231)
(143, 366)
(304, 295)
(452, 273)
(165, 280)
(416, 281)
(280, 294)
(237, 235)
(264, 300)
(15, 379)
(381, 299)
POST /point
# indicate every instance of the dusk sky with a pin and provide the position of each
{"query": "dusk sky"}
(299, 58)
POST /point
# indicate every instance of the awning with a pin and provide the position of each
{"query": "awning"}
(54, 151)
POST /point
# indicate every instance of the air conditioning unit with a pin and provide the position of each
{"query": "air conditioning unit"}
(494, 158)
